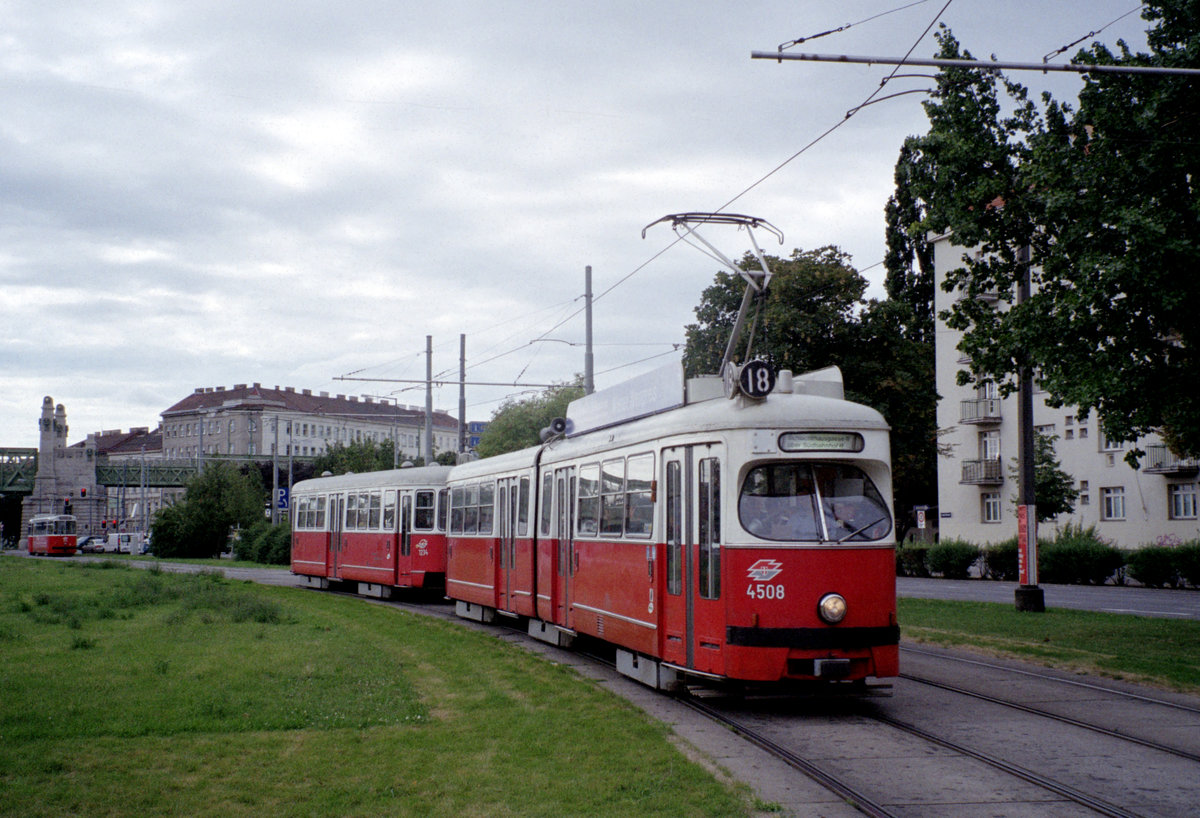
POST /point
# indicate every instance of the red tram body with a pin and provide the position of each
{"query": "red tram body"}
(381, 530)
(724, 539)
(52, 535)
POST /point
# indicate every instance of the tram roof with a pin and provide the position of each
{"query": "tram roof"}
(414, 476)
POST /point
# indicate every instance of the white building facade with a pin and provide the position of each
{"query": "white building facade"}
(254, 421)
(977, 488)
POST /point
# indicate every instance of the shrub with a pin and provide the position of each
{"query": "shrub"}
(1154, 566)
(1000, 561)
(910, 560)
(1187, 562)
(265, 543)
(1078, 556)
(952, 558)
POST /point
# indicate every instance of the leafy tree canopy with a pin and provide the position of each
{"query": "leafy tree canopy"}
(813, 315)
(1054, 488)
(517, 424)
(217, 499)
(1105, 200)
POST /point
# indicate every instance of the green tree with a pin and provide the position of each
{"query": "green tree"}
(1105, 201)
(216, 500)
(517, 424)
(813, 316)
(1054, 488)
(805, 321)
(358, 456)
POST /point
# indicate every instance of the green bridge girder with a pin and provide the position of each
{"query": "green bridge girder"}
(158, 475)
(18, 467)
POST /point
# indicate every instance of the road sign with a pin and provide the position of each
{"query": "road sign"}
(281, 499)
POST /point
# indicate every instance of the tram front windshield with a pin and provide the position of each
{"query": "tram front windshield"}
(822, 502)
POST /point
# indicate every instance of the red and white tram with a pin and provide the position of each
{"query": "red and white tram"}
(52, 534)
(381, 530)
(721, 538)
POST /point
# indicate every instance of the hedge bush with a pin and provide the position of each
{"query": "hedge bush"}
(952, 558)
(265, 543)
(1155, 566)
(911, 560)
(1078, 556)
(1187, 562)
(1000, 561)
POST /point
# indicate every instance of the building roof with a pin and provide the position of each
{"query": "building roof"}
(115, 442)
(347, 407)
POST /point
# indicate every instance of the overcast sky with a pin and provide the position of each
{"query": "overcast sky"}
(203, 194)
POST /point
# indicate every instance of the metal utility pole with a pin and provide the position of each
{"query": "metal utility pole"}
(462, 393)
(589, 384)
(428, 400)
(1028, 596)
(275, 474)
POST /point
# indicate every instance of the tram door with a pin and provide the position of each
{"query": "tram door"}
(405, 563)
(337, 514)
(693, 624)
(566, 560)
(507, 495)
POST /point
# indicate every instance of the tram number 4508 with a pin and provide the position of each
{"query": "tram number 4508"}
(765, 591)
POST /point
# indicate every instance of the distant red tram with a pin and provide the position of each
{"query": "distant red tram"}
(381, 530)
(706, 534)
(52, 535)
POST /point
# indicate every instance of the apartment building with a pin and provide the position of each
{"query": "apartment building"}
(976, 486)
(260, 422)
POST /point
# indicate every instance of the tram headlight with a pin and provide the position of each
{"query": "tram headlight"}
(832, 608)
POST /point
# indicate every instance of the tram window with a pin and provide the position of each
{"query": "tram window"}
(674, 529)
(389, 510)
(639, 508)
(800, 501)
(320, 522)
(612, 497)
(351, 512)
(364, 510)
(851, 505)
(443, 508)
(709, 509)
(487, 507)
(523, 508)
(458, 499)
(471, 510)
(423, 511)
(376, 507)
(588, 519)
(547, 511)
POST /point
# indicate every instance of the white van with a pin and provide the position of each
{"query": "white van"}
(129, 542)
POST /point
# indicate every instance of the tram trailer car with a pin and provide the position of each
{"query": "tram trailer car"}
(379, 530)
(52, 535)
(720, 539)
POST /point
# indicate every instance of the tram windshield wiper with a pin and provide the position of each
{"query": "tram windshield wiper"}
(864, 528)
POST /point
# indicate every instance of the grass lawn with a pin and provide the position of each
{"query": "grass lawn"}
(1163, 652)
(134, 692)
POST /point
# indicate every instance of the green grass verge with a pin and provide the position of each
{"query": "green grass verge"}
(132, 692)
(1164, 652)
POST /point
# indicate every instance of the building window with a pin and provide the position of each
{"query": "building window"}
(989, 445)
(1182, 501)
(991, 507)
(1114, 503)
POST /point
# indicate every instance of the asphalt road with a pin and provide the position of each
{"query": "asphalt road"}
(1118, 599)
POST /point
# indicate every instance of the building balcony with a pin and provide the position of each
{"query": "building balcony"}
(1160, 460)
(980, 410)
(982, 472)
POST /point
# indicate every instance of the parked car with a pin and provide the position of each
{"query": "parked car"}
(91, 545)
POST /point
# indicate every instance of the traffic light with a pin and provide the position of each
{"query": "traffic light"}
(83, 492)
